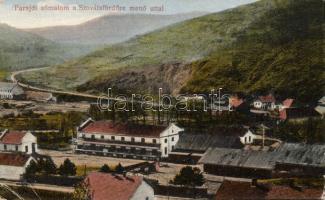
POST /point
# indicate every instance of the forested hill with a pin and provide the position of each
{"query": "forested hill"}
(270, 45)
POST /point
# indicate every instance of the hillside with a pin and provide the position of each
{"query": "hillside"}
(270, 45)
(110, 29)
(20, 50)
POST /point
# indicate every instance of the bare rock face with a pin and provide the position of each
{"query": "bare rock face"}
(169, 77)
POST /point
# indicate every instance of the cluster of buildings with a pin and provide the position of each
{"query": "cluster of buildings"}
(16, 152)
(12, 91)
(219, 150)
(282, 110)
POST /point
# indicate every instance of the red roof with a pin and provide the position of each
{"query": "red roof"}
(12, 137)
(267, 99)
(13, 159)
(112, 187)
(244, 190)
(235, 101)
(296, 113)
(111, 128)
(288, 103)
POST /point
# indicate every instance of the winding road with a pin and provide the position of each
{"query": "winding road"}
(14, 79)
(78, 94)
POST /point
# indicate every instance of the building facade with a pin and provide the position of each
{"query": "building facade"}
(126, 141)
(14, 141)
(248, 138)
(11, 91)
(13, 166)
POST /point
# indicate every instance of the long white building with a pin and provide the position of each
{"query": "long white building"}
(125, 140)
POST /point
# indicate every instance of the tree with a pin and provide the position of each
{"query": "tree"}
(119, 169)
(105, 169)
(49, 166)
(189, 176)
(32, 168)
(68, 168)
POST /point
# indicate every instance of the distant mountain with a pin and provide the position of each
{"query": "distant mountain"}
(270, 45)
(111, 28)
(20, 50)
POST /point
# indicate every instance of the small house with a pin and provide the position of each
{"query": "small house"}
(16, 141)
(103, 186)
(13, 165)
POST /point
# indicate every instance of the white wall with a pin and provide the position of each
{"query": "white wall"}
(168, 139)
(118, 137)
(13, 172)
(144, 192)
(248, 138)
(28, 140)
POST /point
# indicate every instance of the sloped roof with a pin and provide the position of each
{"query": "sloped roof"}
(288, 102)
(112, 187)
(40, 96)
(12, 137)
(13, 87)
(288, 153)
(235, 101)
(200, 142)
(267, 99)
(244, 190)
(296, 113)
(10, 159)
(111, 128)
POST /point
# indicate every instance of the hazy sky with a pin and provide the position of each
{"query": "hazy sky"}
(17, 14)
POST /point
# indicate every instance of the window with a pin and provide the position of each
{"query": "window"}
(172, 130)
(123, 138)
(245, 139)
(26, 149)
(249, 139)
(132, 139)
(172, 139)
(16, 147)
(143, 140)
(113, 137)
(102, 137)
(5, 147)
(92, 136)
(165, 150)
(154, 141)
(147, 198)
(173, 147)
(165, 140)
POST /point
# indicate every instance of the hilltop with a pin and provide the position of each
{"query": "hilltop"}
(270, 45)
(110, 29)
(20, 50)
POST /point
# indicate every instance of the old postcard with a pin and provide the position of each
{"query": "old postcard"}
(162, 99)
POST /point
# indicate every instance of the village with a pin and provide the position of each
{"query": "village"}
(51, 143)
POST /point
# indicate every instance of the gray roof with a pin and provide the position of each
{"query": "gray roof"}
(13, 87)
(288, 153)
(201, 142)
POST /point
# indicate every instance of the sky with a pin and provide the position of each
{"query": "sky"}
(18, 13)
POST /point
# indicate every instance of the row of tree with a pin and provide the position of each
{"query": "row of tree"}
(46, 166)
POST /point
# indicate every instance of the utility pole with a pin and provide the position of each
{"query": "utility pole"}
(263, 136)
